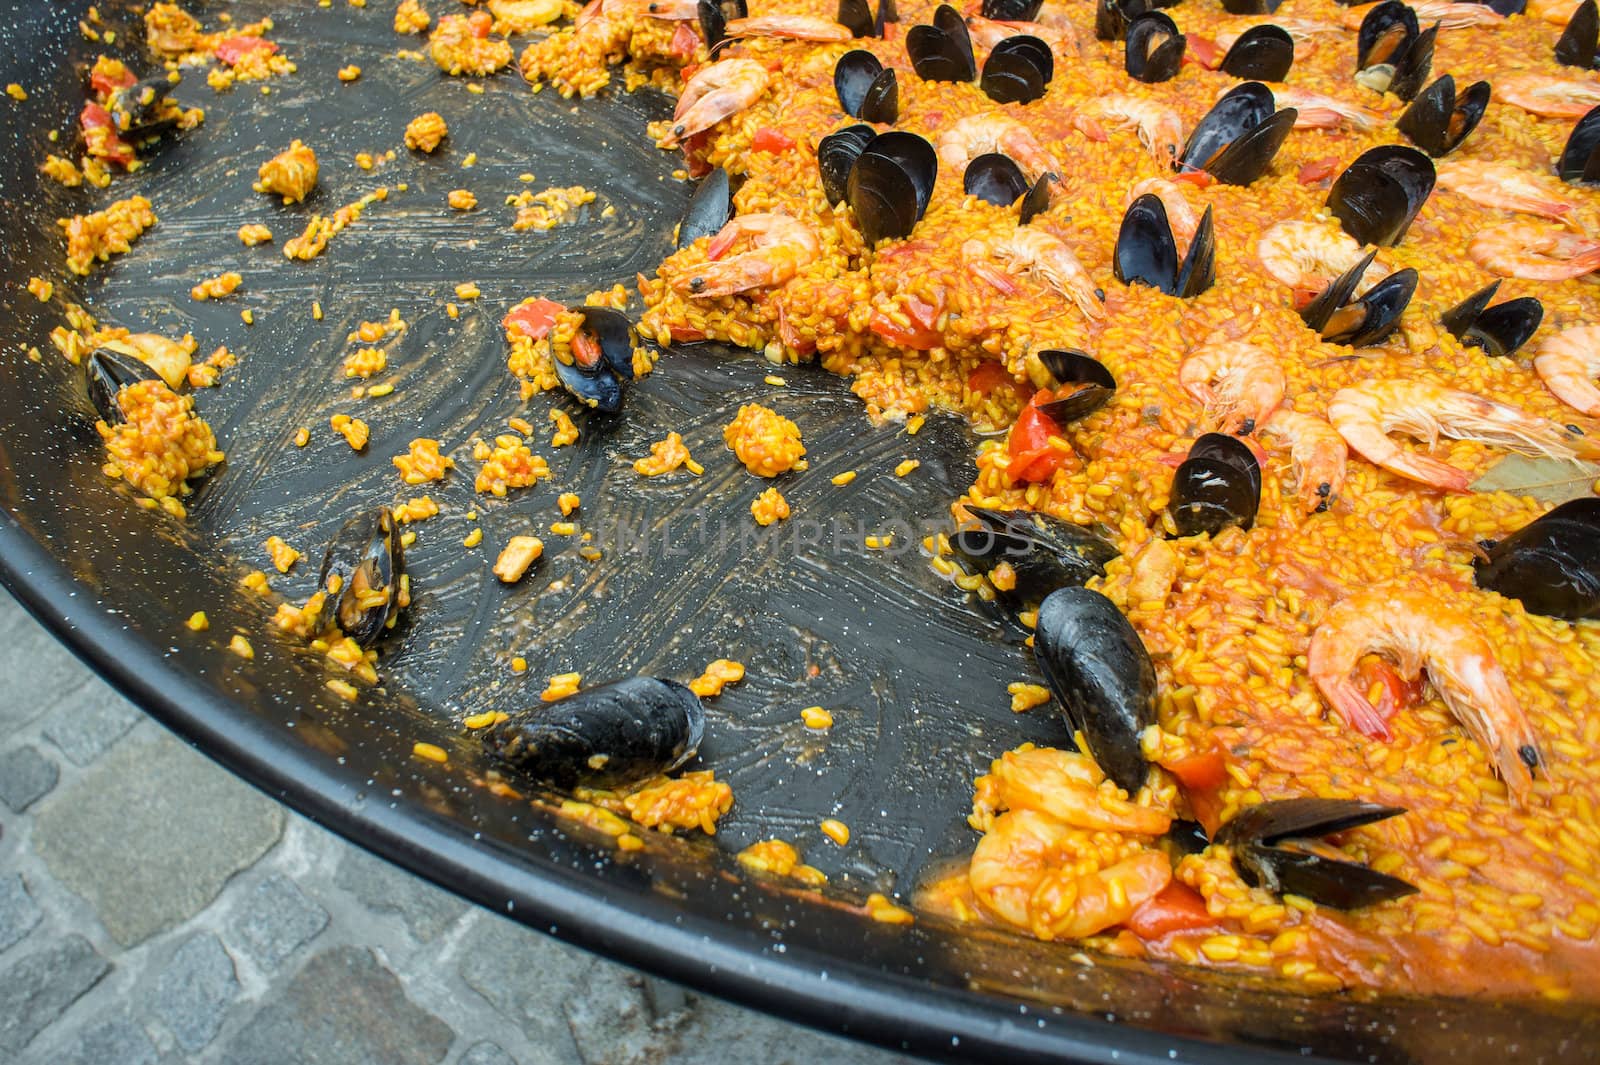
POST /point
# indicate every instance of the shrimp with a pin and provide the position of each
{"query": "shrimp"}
(1067, 786)
(1317, 111)
(1365, 415)
(1450, 15)
(1555, 12)
(1033, 250)
(1541, 94)
(1410, 625)
(1160, 128)
(1568, 363)
(1307, 255)
(986, 33)
(670, 10)
(792, 27)
(1317, 451)
(1180, 213)
(724, 88)
(779, 247)
(977, 134)
(1501, 185)
(1239, 384)
(1533, 251)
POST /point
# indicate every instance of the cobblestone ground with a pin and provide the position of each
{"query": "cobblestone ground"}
(154, 910)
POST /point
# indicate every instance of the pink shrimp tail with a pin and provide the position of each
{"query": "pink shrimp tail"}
(1353, 707)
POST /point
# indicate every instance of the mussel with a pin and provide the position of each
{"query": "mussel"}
(1237, 139)
(1012, 10)
(709, 208)
(996, 179)
(1111, 17)
(1360, 323)
(106, 373)
(714, 18)
(1262, 53)
(1578, 42)
(1391, 55)
(1017, 70)
(602, 358)
(891, 183)
(1552, 564)
(1154, 48)
(1276, 846)
(942, 51)
(141, 110)
(368, 560)
(1218, 485)
(1147, 252)
(1251, 7)
(1379, 194)
(1082, 384)
(1099, 671)
(836, 156)
(609, 736)
(858, 18)
(1580, 160)
(866, 89)
(1438, 120)
(1044, 553)
(1498, 330)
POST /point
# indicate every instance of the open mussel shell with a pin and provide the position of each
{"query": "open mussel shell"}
(714, 18)
(1262, 53)
(599, 385)
(609, 736)
(1580, 160)
(1577, 45)
(1111, 17)
(942, 51)
(1391, 55)
(1095, 384)
(836, 156)
(1147, 253)
(1438, 120)
(1044, 553)
(1552, 564)
(857, 17)
(106, 373)
(994, 178)
(1499, 330)
(1012, 10)
(1018, 70)
(1218, 485)
(1154, 48)
(1251, 7)
(1360, 323)
(866, 90)
(1379, 194)
(891, 183)
(1099, 671)
(1263, 837)
(367, 557)
(135, 108)
(709, 208)
(1237, 139)
(1037, 200)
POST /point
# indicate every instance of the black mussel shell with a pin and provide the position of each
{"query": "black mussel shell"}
(837, 154)
(1037, 201)
(942, 51)
(1187, 837)
(1017, 70)
(1366, 321)
(1411, 73)
(1576, 48)
(1552, 564)
(1319, 311)
(1012, 10)
(891, 184)
(1146, 253)
(1257, 833)
(1270, 823)
(866, 90)
(1438, 120)
(1154, 48)
(1498, 330)
(994, 178)
(1251, 7)
(881, 103)
(610, 736)
(1199, 268)
(1237, 139)
(715, 16)
(106, 373)
(134, 108)
(1218, 485)
(1580, 160)
(1095, 384)
(709, 208)
(857, 17)
(1386, 33)
(1099, 671)
(1111, 17)
(1379, 194)
(616, 336)
(1262, 53)
(1044, 553)
(597, 388)
(366, 555)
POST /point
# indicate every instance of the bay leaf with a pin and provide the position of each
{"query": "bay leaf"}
(1545, 479)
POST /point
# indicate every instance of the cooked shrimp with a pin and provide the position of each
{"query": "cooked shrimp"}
(1501, 185)
(1239, 384)
(779, 247)
(1307, 255)
(1030, 250)
(1541, 94)
(1181, 215)
(1555, 12)
(986, 33)
(1365, 415)
(791, 27)
(1412, 627)
(1026, 870)
(1530, 250)
(1318, 454)
(1069, 787)
(1450, 15)
(724, 88)
(1317, 111)
(977, 134)
(1568, 363)
(1160, 128)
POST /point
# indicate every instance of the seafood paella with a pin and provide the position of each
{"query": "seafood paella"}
(1248, 301)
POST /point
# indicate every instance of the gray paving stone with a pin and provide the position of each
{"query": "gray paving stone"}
(486, 1054)
(86, 725)
(150, 835)
(276, 919)
(36, 672)
(526, 976)
(719, 1032)
(611, 1020)
(18, 912)
(39, 987)
(343, 1008)
(195, 990)
(25, 777)
(115, 1042)
(384, 888)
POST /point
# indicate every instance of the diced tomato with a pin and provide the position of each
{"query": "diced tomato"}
(768, 139)
(988, 376)
(1178, 908)
(684, 41)
(1204, 51)
(1397, 691)
(534, 319)
(1033, 457)
(1199, 772)
(1319, 170)
(921, 335)
(232, 49)
(1198, 178)
(480, 21)
(104, 84)
(686, 335)
(100, 134)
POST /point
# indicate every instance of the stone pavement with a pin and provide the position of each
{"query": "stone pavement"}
(154, 910)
